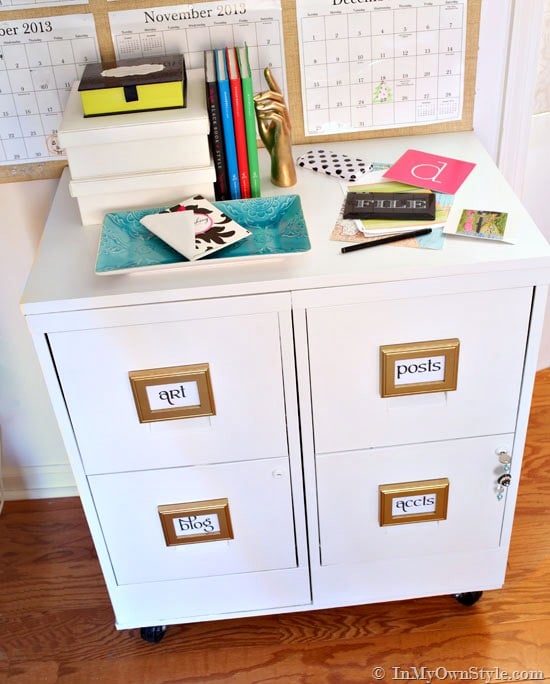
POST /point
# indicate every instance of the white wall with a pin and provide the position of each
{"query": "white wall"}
(534, 189)
(35, 463)
(34, 459)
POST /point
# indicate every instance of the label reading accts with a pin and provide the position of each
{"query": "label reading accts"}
(413, 505)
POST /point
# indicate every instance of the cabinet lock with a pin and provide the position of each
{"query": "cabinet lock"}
(504, 478)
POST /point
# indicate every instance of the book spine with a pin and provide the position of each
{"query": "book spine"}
(227, 126)
(238, 121)
(221, 185)
(250, 122)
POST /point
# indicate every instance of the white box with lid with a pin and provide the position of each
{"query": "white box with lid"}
(137, 142)
(99, 196)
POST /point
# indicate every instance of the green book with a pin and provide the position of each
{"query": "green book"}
(250, 120)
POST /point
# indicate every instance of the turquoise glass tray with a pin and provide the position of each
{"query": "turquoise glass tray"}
(276, 224)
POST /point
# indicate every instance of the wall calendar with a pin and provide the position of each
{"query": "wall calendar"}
(39, 60)
(191, 29)
(379, 64)
(25, 4)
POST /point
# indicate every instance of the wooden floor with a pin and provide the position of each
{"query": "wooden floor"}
(56, 624)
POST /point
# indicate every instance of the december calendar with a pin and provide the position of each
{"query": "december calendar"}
(379, 64)
(192, 29)
(39, 60)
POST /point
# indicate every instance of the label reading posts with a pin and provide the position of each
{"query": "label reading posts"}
(419, 367)
(172, 393)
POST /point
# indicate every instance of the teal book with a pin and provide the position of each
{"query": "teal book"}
(228, 130)
(250, 120)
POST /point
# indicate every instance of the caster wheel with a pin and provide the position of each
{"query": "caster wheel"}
(153, 634)
(468, 598)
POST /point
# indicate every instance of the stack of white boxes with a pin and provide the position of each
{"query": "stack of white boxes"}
(139, 159)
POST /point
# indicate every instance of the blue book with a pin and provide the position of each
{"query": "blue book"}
(227, 125)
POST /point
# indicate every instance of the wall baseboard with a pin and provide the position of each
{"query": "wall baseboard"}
(38, 482)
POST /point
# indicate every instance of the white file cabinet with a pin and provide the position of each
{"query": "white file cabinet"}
(364, 415)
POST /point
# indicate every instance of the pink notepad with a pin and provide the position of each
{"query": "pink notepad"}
(432, 171)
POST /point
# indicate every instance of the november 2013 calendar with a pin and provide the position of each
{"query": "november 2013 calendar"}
(379, 64)
(192, 29)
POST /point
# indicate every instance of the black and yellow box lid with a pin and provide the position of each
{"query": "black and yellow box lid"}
(134, 85)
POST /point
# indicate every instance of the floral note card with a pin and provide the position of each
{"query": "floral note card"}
(475, 223)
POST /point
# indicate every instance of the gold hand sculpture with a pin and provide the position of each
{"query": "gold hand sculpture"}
(275, 131)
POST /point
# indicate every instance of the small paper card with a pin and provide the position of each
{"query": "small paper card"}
(432, 171)
(334, 164)
(487, 225)
(202, 229)
(176, 229)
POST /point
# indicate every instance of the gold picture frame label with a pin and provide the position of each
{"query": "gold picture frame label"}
(195, 522)
(419, 367)
(173, 392)
(413, 502)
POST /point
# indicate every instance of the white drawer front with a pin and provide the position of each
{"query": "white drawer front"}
(344, 348)
(348, 503)
(260, 510)
(244, 358)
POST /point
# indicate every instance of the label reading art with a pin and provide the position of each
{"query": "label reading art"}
(173, 395)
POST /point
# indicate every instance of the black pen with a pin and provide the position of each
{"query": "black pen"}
(384, 240)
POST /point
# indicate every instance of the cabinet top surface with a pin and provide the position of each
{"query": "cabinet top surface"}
(63, 277)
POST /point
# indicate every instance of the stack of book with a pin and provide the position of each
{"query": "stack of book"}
(230, 100)
(138, 159)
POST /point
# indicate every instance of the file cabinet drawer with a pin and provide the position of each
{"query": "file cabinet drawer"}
(259, 508)
(246, 382)
(344, 354)
(349, 501)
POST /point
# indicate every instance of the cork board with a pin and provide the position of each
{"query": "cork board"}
(100, 9)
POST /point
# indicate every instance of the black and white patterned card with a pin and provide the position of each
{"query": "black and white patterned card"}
(195, 228)
(334, 164)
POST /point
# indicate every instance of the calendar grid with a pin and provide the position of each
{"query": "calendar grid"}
(134, 36)
(384, 68)
(36, 75)
(28, 147)
(30, 4)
